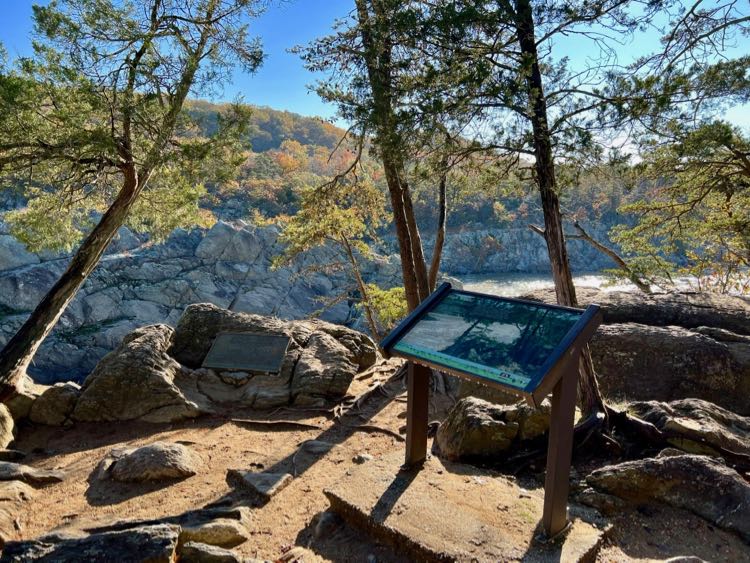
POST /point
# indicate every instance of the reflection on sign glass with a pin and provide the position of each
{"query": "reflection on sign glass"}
(506, 341)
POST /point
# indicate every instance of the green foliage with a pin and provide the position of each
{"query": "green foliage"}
(388, 305)
(100, 105)
(694, 216)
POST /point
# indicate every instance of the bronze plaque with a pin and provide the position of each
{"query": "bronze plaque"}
(247, 352)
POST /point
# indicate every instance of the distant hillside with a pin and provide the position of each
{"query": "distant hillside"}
(269, 127)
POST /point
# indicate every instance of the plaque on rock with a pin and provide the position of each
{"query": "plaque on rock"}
(239, 351)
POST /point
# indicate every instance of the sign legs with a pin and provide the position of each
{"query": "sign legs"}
(560, 451)
(418, 389)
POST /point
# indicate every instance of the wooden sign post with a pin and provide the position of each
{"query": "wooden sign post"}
(525, 348)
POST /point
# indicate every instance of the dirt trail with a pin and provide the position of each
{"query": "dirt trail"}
(293, 517)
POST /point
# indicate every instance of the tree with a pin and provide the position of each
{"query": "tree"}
(97, 114)
(495, 65)
(694, 218)
(368, 71)
(341, 214)
(695, 167)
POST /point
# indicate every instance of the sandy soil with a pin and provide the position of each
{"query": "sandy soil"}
(295, 519)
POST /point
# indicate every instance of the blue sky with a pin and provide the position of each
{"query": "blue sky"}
(282, 82)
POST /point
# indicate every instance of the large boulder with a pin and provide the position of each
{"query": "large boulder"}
(55, 405)
(325, 369)
(687, 309)
(696, 483)
(642, 362)
(7, 425)
(697, 426)
(155, 462)
(202, 322)
(136, 381)
(155, 374)
(476, 429)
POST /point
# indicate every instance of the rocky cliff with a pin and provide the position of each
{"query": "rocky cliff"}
(138, 284)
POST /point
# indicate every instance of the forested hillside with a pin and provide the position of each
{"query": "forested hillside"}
(286, 153)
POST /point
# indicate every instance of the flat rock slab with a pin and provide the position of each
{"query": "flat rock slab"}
(454, 512)
(264, 485)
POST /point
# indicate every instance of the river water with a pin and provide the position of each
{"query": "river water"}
(514, 285)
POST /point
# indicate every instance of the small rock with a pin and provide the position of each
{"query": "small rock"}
(265, 485)
(15, 491)
(604, 503)
(362, 458)
(196, 552)
(316, 447)
(327, 524)
(55, 405)
(155, 462)
(17, 472)
(223, 532)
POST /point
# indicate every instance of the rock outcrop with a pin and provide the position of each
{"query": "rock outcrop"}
(476, 429)
(136, 381)
(697, 426)
(138, 284)
(155, 544)
(155, 374)
(672, 346)
(696, 483)
(687, 310)
(155, 462)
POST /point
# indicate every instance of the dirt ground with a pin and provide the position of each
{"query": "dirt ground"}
(294, 525)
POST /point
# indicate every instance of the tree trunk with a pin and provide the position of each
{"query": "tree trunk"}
(437, 251)
(544, 166)
(408, 271)
(19, 351)
(377, 55)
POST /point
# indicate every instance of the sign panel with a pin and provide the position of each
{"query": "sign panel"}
(505, 341)
(247, 352)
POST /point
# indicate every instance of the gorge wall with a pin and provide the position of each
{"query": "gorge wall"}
(229, 265)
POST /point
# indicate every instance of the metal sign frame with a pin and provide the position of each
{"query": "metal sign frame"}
(558, 375)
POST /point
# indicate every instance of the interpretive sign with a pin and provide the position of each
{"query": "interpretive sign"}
(525, 348)
(239, 351)
(502, 342)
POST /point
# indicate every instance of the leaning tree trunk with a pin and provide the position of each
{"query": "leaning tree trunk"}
(437, 251)
(589, 394)
(20, 350)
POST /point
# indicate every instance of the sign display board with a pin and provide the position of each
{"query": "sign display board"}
(247, 352)
(527, 348)
(503, 342)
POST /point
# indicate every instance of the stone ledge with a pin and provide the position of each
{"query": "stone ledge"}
(450, 512)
